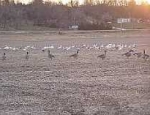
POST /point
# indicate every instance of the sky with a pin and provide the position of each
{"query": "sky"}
(80, 1)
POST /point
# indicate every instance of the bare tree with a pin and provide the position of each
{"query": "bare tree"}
(51, 14)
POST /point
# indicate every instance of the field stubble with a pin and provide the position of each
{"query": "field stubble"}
(68, 86)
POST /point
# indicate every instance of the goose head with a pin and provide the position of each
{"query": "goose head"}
(105, 52)
(144, 51)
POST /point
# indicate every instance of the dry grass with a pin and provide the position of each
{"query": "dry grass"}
(67, 86)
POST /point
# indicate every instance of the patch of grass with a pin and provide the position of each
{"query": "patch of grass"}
(133, 25)
(29, 28)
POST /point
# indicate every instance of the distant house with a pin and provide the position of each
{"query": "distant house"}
(74, 27)
(124, 20)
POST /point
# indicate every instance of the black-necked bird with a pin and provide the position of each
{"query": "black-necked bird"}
(4, 56)
(138, 54)
(128, 54)
(50, 55)
(103, 56)
(75, 55)
(27, 56)
(145, 56)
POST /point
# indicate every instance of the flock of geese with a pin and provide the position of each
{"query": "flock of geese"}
(138, 54)
(102, 56)
(105, 48)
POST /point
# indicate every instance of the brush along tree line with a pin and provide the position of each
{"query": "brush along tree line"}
(90, 15)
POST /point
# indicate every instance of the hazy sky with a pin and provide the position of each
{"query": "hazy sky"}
(80, 1)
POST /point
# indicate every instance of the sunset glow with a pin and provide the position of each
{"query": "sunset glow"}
(148, 1)
(139, 1)
(80, 1)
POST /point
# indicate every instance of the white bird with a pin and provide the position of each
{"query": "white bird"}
(134, 45)
(83, 46)
(68, 48)
(113, 45)
(26, 48)
(87, 47)
(102, 46)
(96, 46)
(73, 46)
(60, 47)
(120, 47)
(125, 46)
(32, 47)
(130, 46)
(6, 48)
(45, 48)
(109, 46)
(14, 49)
(51, 47)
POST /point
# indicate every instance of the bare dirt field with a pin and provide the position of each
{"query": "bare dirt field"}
(87, 85)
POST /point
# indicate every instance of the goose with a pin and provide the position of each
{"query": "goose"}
(109, 46)
(73, 46)
(103, 56)
(15, 49)
(50, 55)
(138, 54)
(67, 48)
(145, 56)
(83, 46)
(131, 50)
(6, 48)
(116, 47)
(128, 54)
(60, 47)
(27, 56)
(43, 50)
(119, 47)
(75, 55)
(4, 57)
(51, 47)
(32, 47)
(59, 32)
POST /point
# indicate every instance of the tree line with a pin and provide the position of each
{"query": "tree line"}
(59, 15)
